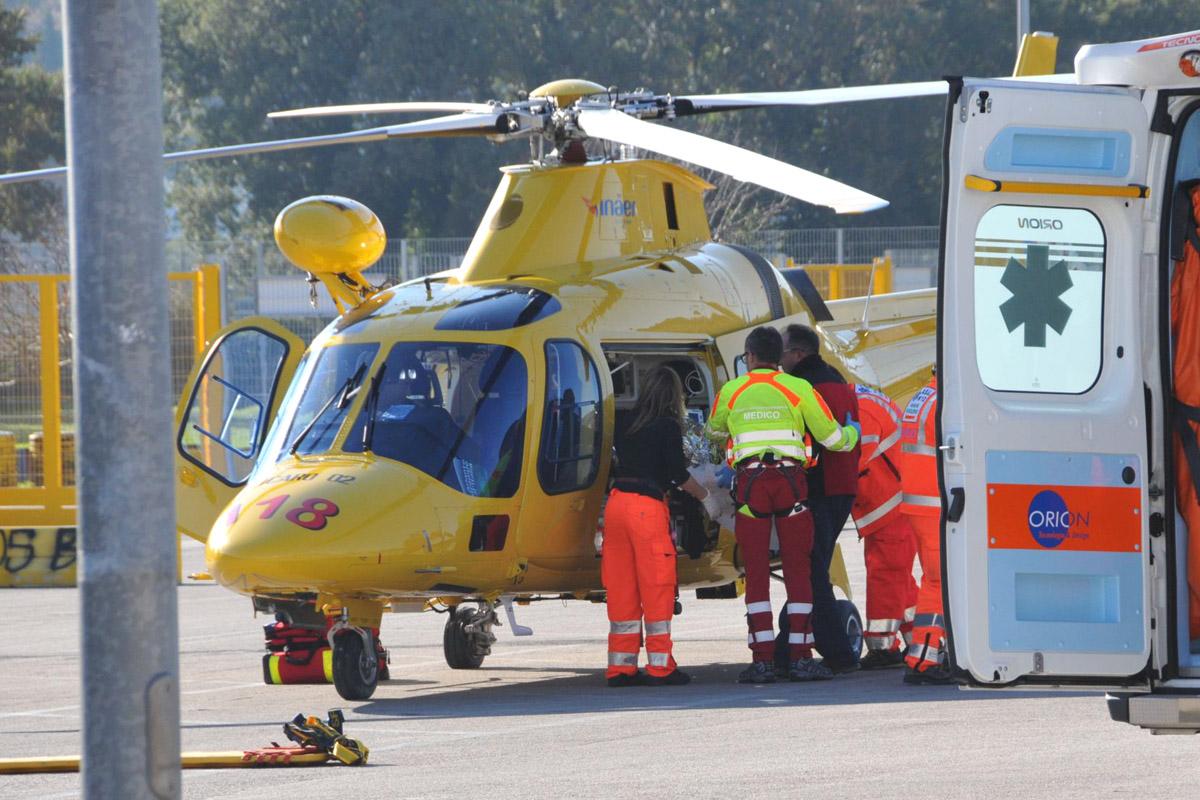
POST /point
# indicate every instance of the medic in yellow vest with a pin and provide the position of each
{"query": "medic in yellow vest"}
(767, 414)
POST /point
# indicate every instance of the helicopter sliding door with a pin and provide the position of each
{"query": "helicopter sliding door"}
(1042, 429)
(732, 345)
(228, 404)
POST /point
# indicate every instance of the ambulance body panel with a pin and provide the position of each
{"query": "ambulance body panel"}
(1063, 556)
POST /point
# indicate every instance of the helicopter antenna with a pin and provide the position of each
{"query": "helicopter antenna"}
(870, 292)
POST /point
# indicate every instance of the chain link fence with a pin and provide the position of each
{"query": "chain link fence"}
(257, 280)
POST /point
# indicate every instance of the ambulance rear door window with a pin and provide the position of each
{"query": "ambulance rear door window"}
(1039, 299)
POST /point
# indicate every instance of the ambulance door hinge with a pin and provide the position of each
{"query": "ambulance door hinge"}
(984, 102)
(1155, 491)
(1157, 525)
(1161, 121)
(1039, 664)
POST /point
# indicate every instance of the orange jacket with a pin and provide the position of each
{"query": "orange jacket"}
(918, 444)
(877, 503)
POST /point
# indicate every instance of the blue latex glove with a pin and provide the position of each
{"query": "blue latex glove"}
(851, 422)
(725, 477)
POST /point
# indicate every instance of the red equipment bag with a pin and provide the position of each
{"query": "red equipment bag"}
(302, 655)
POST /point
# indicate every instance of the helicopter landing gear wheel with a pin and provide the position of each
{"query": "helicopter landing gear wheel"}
(851, 622)
(355, 664)
(467, 638)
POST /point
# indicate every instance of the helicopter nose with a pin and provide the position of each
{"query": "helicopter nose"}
(315, 527)
(275, 536)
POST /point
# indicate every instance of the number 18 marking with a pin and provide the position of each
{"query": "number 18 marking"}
(312, 514)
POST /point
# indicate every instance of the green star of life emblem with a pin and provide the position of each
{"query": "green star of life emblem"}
(1035, 301)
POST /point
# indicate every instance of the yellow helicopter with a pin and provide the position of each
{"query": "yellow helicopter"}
(445, 443)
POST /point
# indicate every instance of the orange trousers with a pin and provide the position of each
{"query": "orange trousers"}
(637, 566)
(929, 627)
(891, 589)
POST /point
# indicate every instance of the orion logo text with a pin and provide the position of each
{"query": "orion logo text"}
(1051, 521)
(1034, 223)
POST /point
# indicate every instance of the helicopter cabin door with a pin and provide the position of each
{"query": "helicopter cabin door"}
(732, 346)
(222, 418)
(1042, 414)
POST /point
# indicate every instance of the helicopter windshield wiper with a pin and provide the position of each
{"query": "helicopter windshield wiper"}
(343, 396)
(369, 408)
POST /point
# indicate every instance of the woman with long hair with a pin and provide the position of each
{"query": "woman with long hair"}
(638, 560)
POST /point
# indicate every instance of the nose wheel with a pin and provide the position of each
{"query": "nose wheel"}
(355, 664)
(467, 638)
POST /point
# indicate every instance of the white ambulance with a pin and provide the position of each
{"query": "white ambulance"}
(1065, 555)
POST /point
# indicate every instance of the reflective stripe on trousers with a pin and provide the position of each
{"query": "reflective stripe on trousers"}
(880, 627)
(921, 656)
(929, 621)
(622, 659)
(658, 628)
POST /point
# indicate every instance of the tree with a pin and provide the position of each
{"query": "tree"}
(228, 63)
(31, 136)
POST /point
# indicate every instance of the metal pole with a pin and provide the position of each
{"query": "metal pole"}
(1022, 21)
(122, 399)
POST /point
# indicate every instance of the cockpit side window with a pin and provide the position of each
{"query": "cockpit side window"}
(453, 410)
(572, 426)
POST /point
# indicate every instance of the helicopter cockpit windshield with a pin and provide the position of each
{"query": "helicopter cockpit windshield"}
(327, 397)
(453, 410)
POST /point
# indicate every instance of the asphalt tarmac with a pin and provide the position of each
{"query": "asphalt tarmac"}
(537, 721)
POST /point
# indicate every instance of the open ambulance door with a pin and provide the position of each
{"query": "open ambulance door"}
(228, 403)
(1042, 411)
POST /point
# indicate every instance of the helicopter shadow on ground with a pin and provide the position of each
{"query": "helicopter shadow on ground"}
(713, 686)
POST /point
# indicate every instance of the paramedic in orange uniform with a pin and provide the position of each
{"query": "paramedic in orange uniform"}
(889, 543)
(922, 504)
(1185, 336)
(637, 563)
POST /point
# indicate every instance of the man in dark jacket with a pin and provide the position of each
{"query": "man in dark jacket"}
(831, 488)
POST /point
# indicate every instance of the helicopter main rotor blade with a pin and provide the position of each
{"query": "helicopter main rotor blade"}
(742, 164)
(493, 123)
(686, 105)
(380, 108)
(453, 125)
(703, 103)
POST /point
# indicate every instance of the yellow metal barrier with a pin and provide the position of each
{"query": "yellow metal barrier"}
(839, 281)
(8, 459)
(37, 443)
